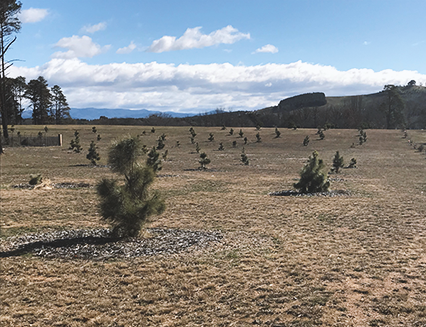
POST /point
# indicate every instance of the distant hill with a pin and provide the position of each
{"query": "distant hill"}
(312, 110)
(95, 113)
(309, 110)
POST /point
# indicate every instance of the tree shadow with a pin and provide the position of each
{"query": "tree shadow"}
(59, 243)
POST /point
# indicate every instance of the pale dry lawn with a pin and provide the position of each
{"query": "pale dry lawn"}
(355, 260)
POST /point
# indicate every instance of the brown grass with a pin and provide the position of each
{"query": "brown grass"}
(354, 260)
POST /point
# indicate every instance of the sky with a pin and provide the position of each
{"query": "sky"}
(195, 56)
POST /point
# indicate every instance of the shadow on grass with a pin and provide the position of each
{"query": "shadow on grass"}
(59, 243)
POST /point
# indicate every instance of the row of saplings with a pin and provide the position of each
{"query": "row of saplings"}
(128, 205)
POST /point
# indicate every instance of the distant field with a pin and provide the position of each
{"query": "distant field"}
(352, 260)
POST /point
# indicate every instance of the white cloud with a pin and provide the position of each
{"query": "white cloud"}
(367, 43)
(33, 15)
(79, 47)
(195, 88)
(94, 28)
(193, 38)
(269, 48)
(127, 49)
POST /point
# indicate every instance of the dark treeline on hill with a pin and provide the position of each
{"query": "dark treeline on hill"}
(393, 107)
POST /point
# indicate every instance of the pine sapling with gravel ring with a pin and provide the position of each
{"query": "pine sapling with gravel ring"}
(312, 178)
(127, 206)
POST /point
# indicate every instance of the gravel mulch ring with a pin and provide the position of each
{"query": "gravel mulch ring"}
(98, 245)
(333, 193)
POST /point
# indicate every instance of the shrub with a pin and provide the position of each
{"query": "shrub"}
(46, 129)
(312, 177)
(421, 148)
(127, 206)
(277, 133)
(258, 138)
(211, 137)
(306, 140)
(165, 154)
(221, 148)
(94, 130)
(153, 130)
(99, 137)
(234, 144)
(223, 127)
(177, 144)
(244, 158)
(204, 161)
(352, 164)
(321, 134)
(35, 179)
(337, 162)
(231, 131)
(197, 148)
(160, 143)
(192, 131)
(192, 140)
(75, 143)
(241, 133)
(154, 160)
(245, 140)
(93, 154)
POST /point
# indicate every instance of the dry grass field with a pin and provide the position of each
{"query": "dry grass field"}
(351, 260)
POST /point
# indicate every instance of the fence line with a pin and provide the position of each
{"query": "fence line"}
(31, 140)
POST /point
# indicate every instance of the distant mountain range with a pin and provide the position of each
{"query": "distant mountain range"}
(95, 113)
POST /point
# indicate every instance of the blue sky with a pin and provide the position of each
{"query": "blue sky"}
(196, 55)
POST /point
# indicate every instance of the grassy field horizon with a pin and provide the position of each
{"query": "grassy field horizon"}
(352, 260)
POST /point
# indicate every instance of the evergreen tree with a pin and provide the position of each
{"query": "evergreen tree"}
(258, 138)
(393, 107)
(19, 87)
(337, 162)
(321, 134)
(306, 140)
(244, 158)
(245, 140)
(9, 24)
(197, 148)
(75, 143)
(128, 206)
(211, 137)
(192, 131)
(241, 133)
(94, 130)
(277, 133)
(160, 143)
(234, 144)
(60, 108)
(204, 161)
(154, 160)
(231, 131)
(41, 99)
(352, 164)
(221, 148)
(93, 154)
(312, 177)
